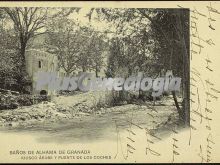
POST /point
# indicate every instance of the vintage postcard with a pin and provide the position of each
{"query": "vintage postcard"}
(109, 82)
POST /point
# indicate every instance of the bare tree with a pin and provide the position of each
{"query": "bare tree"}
(28, 21)
(66, 41)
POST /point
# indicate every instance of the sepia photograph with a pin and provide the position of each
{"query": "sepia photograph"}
(104, 42)
(93, 75)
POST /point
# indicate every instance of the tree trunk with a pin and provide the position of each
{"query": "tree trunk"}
(96, 71)
(180, 111)
(186, 72)
(177, 105)
(22, 52)
(23, 81)
(83, 69)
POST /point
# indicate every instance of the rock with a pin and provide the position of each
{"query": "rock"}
(83, 114)
(29, 126)
(98, 112)
(4, 117)
(14, 119)
(36, 117)
(22, 118)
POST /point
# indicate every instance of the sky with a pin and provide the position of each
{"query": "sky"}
(83, 20)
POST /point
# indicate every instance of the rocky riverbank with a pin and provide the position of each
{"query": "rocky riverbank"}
(64, 108)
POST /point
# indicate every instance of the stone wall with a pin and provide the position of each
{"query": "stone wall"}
(36, 61)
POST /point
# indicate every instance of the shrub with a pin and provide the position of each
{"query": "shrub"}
(8, 101)
(25, 100)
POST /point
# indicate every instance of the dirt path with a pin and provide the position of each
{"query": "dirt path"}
(97, 127)
(62, 119)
